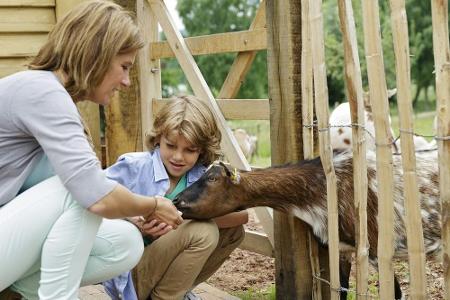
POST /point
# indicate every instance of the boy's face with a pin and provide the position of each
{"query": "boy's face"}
(177, 154)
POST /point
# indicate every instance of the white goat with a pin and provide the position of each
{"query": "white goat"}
(247, 143)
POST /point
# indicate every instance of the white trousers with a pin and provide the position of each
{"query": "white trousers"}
(50, 245)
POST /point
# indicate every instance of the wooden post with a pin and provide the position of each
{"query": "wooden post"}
(89, 111)
(441, 50)
(326, 153)
(123, 116)
(149, 69)
(385, 178)
(292, 264)
(355, 95)
(308, 138)
(416, 252)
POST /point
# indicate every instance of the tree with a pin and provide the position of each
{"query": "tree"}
(202, 17)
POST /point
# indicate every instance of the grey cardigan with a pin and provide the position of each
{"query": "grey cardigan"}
(38, 116)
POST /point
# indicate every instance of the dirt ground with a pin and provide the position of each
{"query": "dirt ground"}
(246, 270)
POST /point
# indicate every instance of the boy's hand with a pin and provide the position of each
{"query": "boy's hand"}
(153, 228)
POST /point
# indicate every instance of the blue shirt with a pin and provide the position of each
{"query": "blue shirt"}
(142, 173)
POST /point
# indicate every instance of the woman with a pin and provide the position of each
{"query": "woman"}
(52, 232)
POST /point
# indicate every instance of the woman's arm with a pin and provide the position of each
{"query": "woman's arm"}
(121, 203)
(232, 220)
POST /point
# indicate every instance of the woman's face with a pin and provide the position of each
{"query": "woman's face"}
(117, 77)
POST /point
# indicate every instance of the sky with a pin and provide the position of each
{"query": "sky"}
(171, 6)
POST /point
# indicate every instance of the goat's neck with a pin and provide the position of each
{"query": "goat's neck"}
(283, 187)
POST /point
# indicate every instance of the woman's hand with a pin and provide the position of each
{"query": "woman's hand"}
(153, 228)
(165, 212)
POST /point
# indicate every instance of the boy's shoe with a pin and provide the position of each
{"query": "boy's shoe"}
(9, 294)
(191, 296)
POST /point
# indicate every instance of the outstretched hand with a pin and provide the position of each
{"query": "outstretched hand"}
(153, 228)
(165, 212)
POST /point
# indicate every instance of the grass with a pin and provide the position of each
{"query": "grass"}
(267, 294)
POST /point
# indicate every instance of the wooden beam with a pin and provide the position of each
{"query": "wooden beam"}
(292, 263)
(353, 82)
(326, 153)
(243, 60)
(385, 177)
(414, 230)
(233, 109)
(123, 116)
(308, 139)
(257, 242)
(21, 45)
(27, 19)
(9, 66)
(27, 3)
(215, 43)
(149, 70)
(198, 83)
(441, 51)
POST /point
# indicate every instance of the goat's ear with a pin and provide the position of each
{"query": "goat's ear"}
(225, 168)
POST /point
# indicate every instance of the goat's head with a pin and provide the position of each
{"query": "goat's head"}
(213, 195)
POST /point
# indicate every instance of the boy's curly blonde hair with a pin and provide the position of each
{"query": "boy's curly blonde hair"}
(193, 119)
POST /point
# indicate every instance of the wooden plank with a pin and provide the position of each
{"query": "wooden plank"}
(308, 139)
(198, 83)
(27, 19)
(9, 66)
(354, 87)
(149, 70)
(64, 6)
(248, 40)
(27, 3)
(233, 109)
(123, 126)
(326, 153)
(257, 242)
(414, 231)
(385, 178)
(21, 45)
(243, 60)
(292, 263)
(441, 50)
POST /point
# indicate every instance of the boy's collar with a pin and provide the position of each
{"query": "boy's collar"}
(158, 166)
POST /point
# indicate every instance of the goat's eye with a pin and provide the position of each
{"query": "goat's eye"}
(212, 179)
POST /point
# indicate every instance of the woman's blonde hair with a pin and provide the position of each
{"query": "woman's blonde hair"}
(191, 118)
(84, 43)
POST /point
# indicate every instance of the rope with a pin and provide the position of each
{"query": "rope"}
(393, 143)
(343, 289)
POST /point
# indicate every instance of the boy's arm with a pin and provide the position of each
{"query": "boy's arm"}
(232, 219)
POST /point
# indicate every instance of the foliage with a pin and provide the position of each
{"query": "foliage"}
(202, 17)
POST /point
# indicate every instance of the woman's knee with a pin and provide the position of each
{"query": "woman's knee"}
(120, 241)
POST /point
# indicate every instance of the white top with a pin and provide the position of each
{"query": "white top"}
(38, 116)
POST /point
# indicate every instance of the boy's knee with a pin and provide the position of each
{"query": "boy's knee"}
(232, 236)
(205, 233)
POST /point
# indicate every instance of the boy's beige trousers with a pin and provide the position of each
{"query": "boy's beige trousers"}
(183, 258)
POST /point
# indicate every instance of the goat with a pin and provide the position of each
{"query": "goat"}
(247, 143)
(301, 189)
(341, 134)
